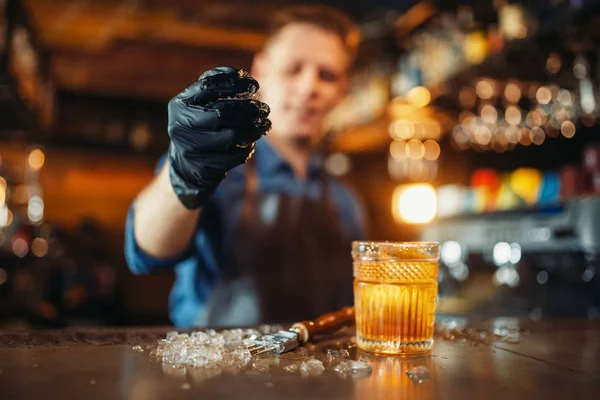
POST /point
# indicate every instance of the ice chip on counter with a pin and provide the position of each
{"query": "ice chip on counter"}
(239, 355)
(353, 369)
(232, 335)
(312, 367)
(334, 354)
(251, 334)
(200, 337)
(138, 349)
(418, 374)
(176, 336)
(208, 349)
(291, 368)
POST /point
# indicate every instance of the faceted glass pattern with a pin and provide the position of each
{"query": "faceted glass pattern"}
(395, 290)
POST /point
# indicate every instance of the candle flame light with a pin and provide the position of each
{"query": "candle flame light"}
(415, 204)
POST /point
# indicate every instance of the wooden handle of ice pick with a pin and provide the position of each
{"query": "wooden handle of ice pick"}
(325, 324)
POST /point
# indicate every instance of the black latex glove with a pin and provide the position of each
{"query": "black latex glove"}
(213, 126)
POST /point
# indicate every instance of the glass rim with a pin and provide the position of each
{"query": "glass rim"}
(395, 251)
(395, 244)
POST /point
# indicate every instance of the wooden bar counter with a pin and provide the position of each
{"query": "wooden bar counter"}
(553, 359)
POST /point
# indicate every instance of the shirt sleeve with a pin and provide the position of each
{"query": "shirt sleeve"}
(138, 260)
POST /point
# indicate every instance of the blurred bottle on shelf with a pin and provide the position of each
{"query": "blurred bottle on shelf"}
(49, 277)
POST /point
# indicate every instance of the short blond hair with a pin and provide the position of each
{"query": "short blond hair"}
(325, 17)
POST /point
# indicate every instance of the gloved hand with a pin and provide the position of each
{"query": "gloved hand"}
(213, 126)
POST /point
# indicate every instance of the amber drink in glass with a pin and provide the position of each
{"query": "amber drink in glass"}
(395, 290)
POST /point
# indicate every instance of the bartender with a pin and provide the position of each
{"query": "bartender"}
(254, 228)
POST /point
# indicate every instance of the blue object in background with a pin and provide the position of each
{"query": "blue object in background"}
(550, 189)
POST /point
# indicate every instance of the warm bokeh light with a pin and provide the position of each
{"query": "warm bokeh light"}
(511, 20)
(483, 135)
(20, 247)
(2, 192)
(36, 159)
(536, 117)
(419, 96)
(431, 150)
(565, 97)
(414, 203)
(398, 149)
(39, 247)
(537, 135)
(512, 92)
(461, 138)
(402, 129)
(543, 95)
(559, 113)
(512, 115)
(553, 63)
(567, 129)
(489, 115)
(465, 117)
(419, 131)
(484, 89)
(414, 149)
(525, 136)
(140, 136)
(512, 134)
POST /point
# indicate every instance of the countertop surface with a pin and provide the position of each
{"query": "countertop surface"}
(479, 360)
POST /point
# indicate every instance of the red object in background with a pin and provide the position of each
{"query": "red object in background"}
(572, 182)
(488, 180)
(485, 177)
(495, 40)
(591, 161)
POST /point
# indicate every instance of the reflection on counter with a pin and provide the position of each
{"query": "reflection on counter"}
(391, 378)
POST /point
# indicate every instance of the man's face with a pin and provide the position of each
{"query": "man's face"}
(302, 75)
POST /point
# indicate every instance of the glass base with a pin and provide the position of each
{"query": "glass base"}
(394, 347)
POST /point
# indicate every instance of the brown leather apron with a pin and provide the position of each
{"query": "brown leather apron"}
(288, 260)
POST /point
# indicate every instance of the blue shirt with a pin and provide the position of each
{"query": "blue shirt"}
(197, 269)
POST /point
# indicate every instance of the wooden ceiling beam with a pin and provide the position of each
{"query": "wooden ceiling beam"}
(134, 70)
(88, 31)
